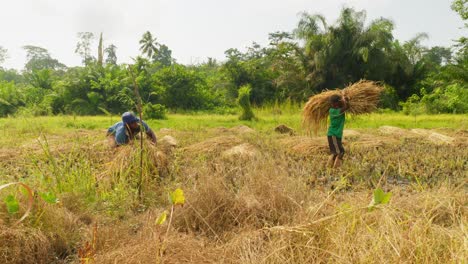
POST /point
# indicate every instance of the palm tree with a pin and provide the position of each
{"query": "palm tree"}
(148, 45)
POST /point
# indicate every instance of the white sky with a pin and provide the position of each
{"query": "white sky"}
(196, 29)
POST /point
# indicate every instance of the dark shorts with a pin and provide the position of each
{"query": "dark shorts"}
(336, 147)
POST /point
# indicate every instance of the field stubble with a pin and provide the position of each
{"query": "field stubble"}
(272, 201)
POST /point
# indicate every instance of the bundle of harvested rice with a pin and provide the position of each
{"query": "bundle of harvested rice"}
(304, 146)
(243, 152)
(363, 97)
(127, 159)
(214, 145)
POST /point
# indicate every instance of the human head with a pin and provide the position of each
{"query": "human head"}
(130, 119)
(335, 100)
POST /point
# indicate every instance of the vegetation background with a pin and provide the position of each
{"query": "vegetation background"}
(317, 55)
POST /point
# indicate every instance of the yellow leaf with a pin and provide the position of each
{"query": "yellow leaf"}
(177, 197)
(162, 218)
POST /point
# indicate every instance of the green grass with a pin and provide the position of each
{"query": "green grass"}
(267, 121)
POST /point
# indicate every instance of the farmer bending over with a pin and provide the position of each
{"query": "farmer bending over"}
(123, 132)
(339, 105)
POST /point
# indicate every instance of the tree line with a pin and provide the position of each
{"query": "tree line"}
(316, 55)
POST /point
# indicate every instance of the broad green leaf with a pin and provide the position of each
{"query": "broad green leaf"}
(12, 204)
(177, 197)
(49, 197)
(380, 197)
(162, 218)
(386, 198)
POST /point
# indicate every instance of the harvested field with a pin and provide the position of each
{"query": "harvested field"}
(213, 145)
(242, 151)
(256, 197)
(391, 130)
(433, 137)
(304, 146)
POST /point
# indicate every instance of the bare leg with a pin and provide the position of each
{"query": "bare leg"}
(338, 162)
(331, 161)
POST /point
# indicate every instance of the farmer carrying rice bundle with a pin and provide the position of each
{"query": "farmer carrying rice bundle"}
(359, 98)
(123, 132)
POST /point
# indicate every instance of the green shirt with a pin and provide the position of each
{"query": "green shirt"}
(337, 120)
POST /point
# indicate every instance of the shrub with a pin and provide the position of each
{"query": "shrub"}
(244, 101)
(413, 106)
(450, 99)
(389, 98)
(154, 111)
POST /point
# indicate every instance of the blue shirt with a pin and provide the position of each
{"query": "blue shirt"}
(121, 134)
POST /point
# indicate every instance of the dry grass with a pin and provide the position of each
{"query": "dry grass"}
(242, 151)
(24, 245)
(52, 234)
(262, 209)
(363, 99)
(213, 145)
(141, 242)
(304, 146)
(416, 228)
(126, 160)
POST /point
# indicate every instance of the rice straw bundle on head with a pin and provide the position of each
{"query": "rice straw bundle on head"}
(363, 98)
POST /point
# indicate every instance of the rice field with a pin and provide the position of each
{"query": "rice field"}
(251, 195)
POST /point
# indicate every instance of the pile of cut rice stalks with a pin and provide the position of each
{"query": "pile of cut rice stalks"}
(362, 96)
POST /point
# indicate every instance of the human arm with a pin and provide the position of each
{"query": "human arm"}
(152, 136)
(149, 133)
(345, 105)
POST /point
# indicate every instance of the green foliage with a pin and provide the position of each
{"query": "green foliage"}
(177, 197)
(39, 58)
(379, 198)
(11, 97)
(154, 111)
(389, 98)
(111, 54)
(49, 197)
(148, 45)
(83, 47)
(244, 101)
(183, 88)
(450, 99)
(161, 219)
(12, 204)
(413, 106)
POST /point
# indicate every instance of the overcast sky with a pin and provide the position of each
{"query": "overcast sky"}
(197, 29)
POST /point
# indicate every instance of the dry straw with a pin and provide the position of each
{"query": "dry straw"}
(363, 98)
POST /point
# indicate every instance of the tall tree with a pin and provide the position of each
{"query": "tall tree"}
(83, 47)
(148, 45)
(100, 51)
(3, 54)
(414, 49)
(461, 7)
(111, 54)
(163, 55)
(39, 58)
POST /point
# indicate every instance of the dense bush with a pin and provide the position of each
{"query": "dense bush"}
(244, 102)
(154, 111)
(450, 99)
